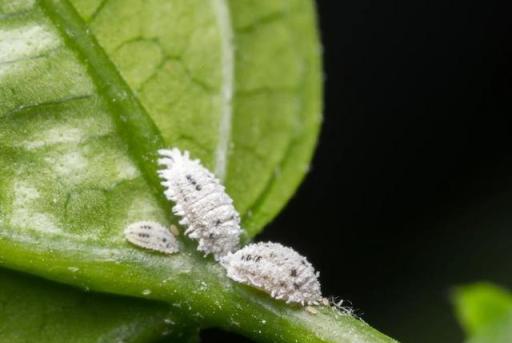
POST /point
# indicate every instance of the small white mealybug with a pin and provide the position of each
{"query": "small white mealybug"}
(276, 269)
(152, 236)
(202, 203)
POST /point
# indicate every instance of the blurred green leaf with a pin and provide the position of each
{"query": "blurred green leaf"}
(485, 312)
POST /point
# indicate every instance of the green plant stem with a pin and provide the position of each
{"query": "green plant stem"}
(199, 290)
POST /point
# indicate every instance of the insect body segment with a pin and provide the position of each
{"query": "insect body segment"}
(202, 203)
(152, 236)
(276, 269)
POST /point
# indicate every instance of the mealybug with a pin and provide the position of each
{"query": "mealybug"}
(276, 269)
(202, 203)
(152, 236)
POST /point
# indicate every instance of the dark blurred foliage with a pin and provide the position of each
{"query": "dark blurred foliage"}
(410, 192)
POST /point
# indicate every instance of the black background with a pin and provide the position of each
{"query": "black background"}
(410, 193)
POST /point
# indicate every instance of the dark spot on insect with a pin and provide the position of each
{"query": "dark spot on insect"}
(293, 272)
(303, 262)
(198, 187)
(143, 235)
(296, 285)
(217, 222)
(191, 179)
(282, 284)
(210, 235)
(246, 257)
(257, 259)
(164, 240)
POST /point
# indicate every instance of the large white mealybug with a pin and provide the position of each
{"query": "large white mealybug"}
(202, 203)
(152, 236)
(276, 269)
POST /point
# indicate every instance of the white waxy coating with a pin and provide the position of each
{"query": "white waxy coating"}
(152, 236)
(202, 203)
(276, 269)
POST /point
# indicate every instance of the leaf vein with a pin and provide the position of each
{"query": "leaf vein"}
(227, 89)
(22, 108)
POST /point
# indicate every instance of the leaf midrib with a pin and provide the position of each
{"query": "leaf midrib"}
(223, 16)
(134, 124)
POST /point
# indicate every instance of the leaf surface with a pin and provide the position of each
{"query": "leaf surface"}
(236, 82)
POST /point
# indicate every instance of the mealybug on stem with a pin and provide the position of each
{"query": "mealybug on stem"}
(276, 269)
(200, 200)
(152, 236)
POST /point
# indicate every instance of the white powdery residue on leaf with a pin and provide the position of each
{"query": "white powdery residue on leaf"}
(25, 42)
(276, 269)
(152, 236)
(26, 219)
(25, 213)
(201, 201)
(126, 168)
(62, 134)
(68, 165)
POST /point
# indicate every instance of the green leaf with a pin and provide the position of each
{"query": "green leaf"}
(262, 54)
(485, 312)
(79, 136)
(35, 310)
(481, 305)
